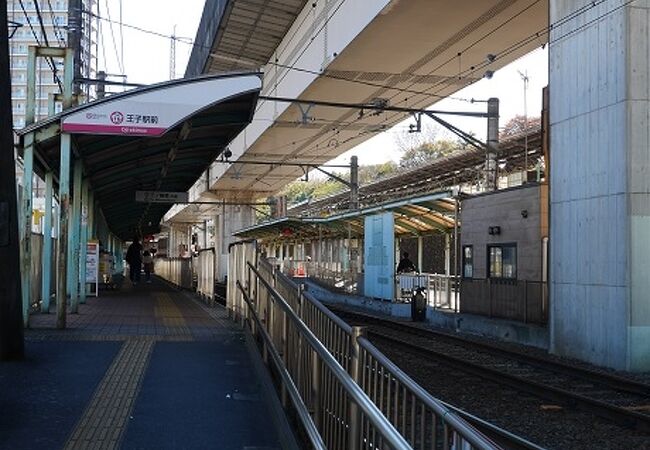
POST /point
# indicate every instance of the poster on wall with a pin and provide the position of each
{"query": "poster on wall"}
(92, 265)
(379, 256)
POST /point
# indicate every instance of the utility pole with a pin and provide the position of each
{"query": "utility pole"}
(172, 55)
(354, 183)
(74, 40)
(101, 86)
(12, 345)
(492, 144)
(525, 79)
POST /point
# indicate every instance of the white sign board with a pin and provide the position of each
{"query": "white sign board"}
(92, 265)
(161, 197)
(153, 110)
(379, 256)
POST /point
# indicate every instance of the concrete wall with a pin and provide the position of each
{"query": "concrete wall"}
(600, 189)
(504, 209)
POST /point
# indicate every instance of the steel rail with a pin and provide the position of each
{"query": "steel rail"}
(374, 415)
(613, 381)
(449, 415)
(619, 415)
(303, 413)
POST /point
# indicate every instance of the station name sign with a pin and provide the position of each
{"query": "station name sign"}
(161, 197)
(153, 110)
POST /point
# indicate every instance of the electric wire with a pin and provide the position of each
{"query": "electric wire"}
(120, 63)
(50, 60)
(58, 31)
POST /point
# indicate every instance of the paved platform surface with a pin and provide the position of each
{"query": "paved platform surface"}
(145, 367)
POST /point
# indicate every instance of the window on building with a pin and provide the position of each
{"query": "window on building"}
(468, 261)
(502, 261)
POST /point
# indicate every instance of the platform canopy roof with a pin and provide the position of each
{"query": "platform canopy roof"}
(156, 138)
(433, 213)
(240, 34)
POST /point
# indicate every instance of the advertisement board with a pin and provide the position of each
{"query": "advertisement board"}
(92, 265)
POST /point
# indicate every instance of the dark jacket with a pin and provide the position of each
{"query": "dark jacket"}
(406, 265)
(134, 254)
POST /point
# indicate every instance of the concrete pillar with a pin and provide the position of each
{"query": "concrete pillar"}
(600, 189)
(233, 218)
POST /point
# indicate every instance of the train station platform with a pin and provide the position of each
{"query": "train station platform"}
(144, 366)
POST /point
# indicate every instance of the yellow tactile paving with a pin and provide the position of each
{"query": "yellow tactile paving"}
(103, 422)
(170, 315)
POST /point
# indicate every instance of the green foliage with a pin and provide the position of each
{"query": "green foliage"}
(428, 152)
(300, 191)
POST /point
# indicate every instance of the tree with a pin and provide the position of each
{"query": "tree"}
(428, 152)
(517, 125)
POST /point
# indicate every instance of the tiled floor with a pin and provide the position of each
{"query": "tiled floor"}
(170, 373)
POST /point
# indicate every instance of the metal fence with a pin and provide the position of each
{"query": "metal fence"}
(175, 270)
(341, 386)
(205, 267)
(441, 290)
(520, 300)
(37, 272)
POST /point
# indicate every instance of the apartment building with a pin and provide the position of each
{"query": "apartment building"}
(55, 15)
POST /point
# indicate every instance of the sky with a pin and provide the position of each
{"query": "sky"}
(146, 60)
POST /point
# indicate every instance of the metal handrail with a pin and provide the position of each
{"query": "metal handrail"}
(374, 415)
(318, 305)
(468, 433)
(385, 370)
(305, 418)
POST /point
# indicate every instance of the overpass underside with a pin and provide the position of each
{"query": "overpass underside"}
(405, 53)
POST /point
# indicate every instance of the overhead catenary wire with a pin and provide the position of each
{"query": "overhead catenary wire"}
(427, 91)
(120, 63)
(50, 60)
(58, 31)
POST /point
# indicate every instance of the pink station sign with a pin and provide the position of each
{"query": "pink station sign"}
(154, 110)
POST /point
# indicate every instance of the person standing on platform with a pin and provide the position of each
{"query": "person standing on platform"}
(406, 265)
(134, 259)
(147, 261)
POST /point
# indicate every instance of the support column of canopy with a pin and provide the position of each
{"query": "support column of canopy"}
(83, 246)
(74, 238)
(26, 207)
(64, 199)
(233, 218)
(64, 211)
(26, 226)
(46, 260)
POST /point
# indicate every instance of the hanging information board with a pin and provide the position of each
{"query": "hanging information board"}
(92, 265)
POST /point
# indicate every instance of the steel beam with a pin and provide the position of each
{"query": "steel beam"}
(64, 211)
(46, 260)
(26, 222)
(83, 247)
(73, 238)
(30, 102)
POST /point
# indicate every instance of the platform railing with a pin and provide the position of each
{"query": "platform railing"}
(442, 291)
(176, 270)
(301, 328)
(205, 267)
(340, 409)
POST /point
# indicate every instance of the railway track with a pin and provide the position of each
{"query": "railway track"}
(618, 399)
